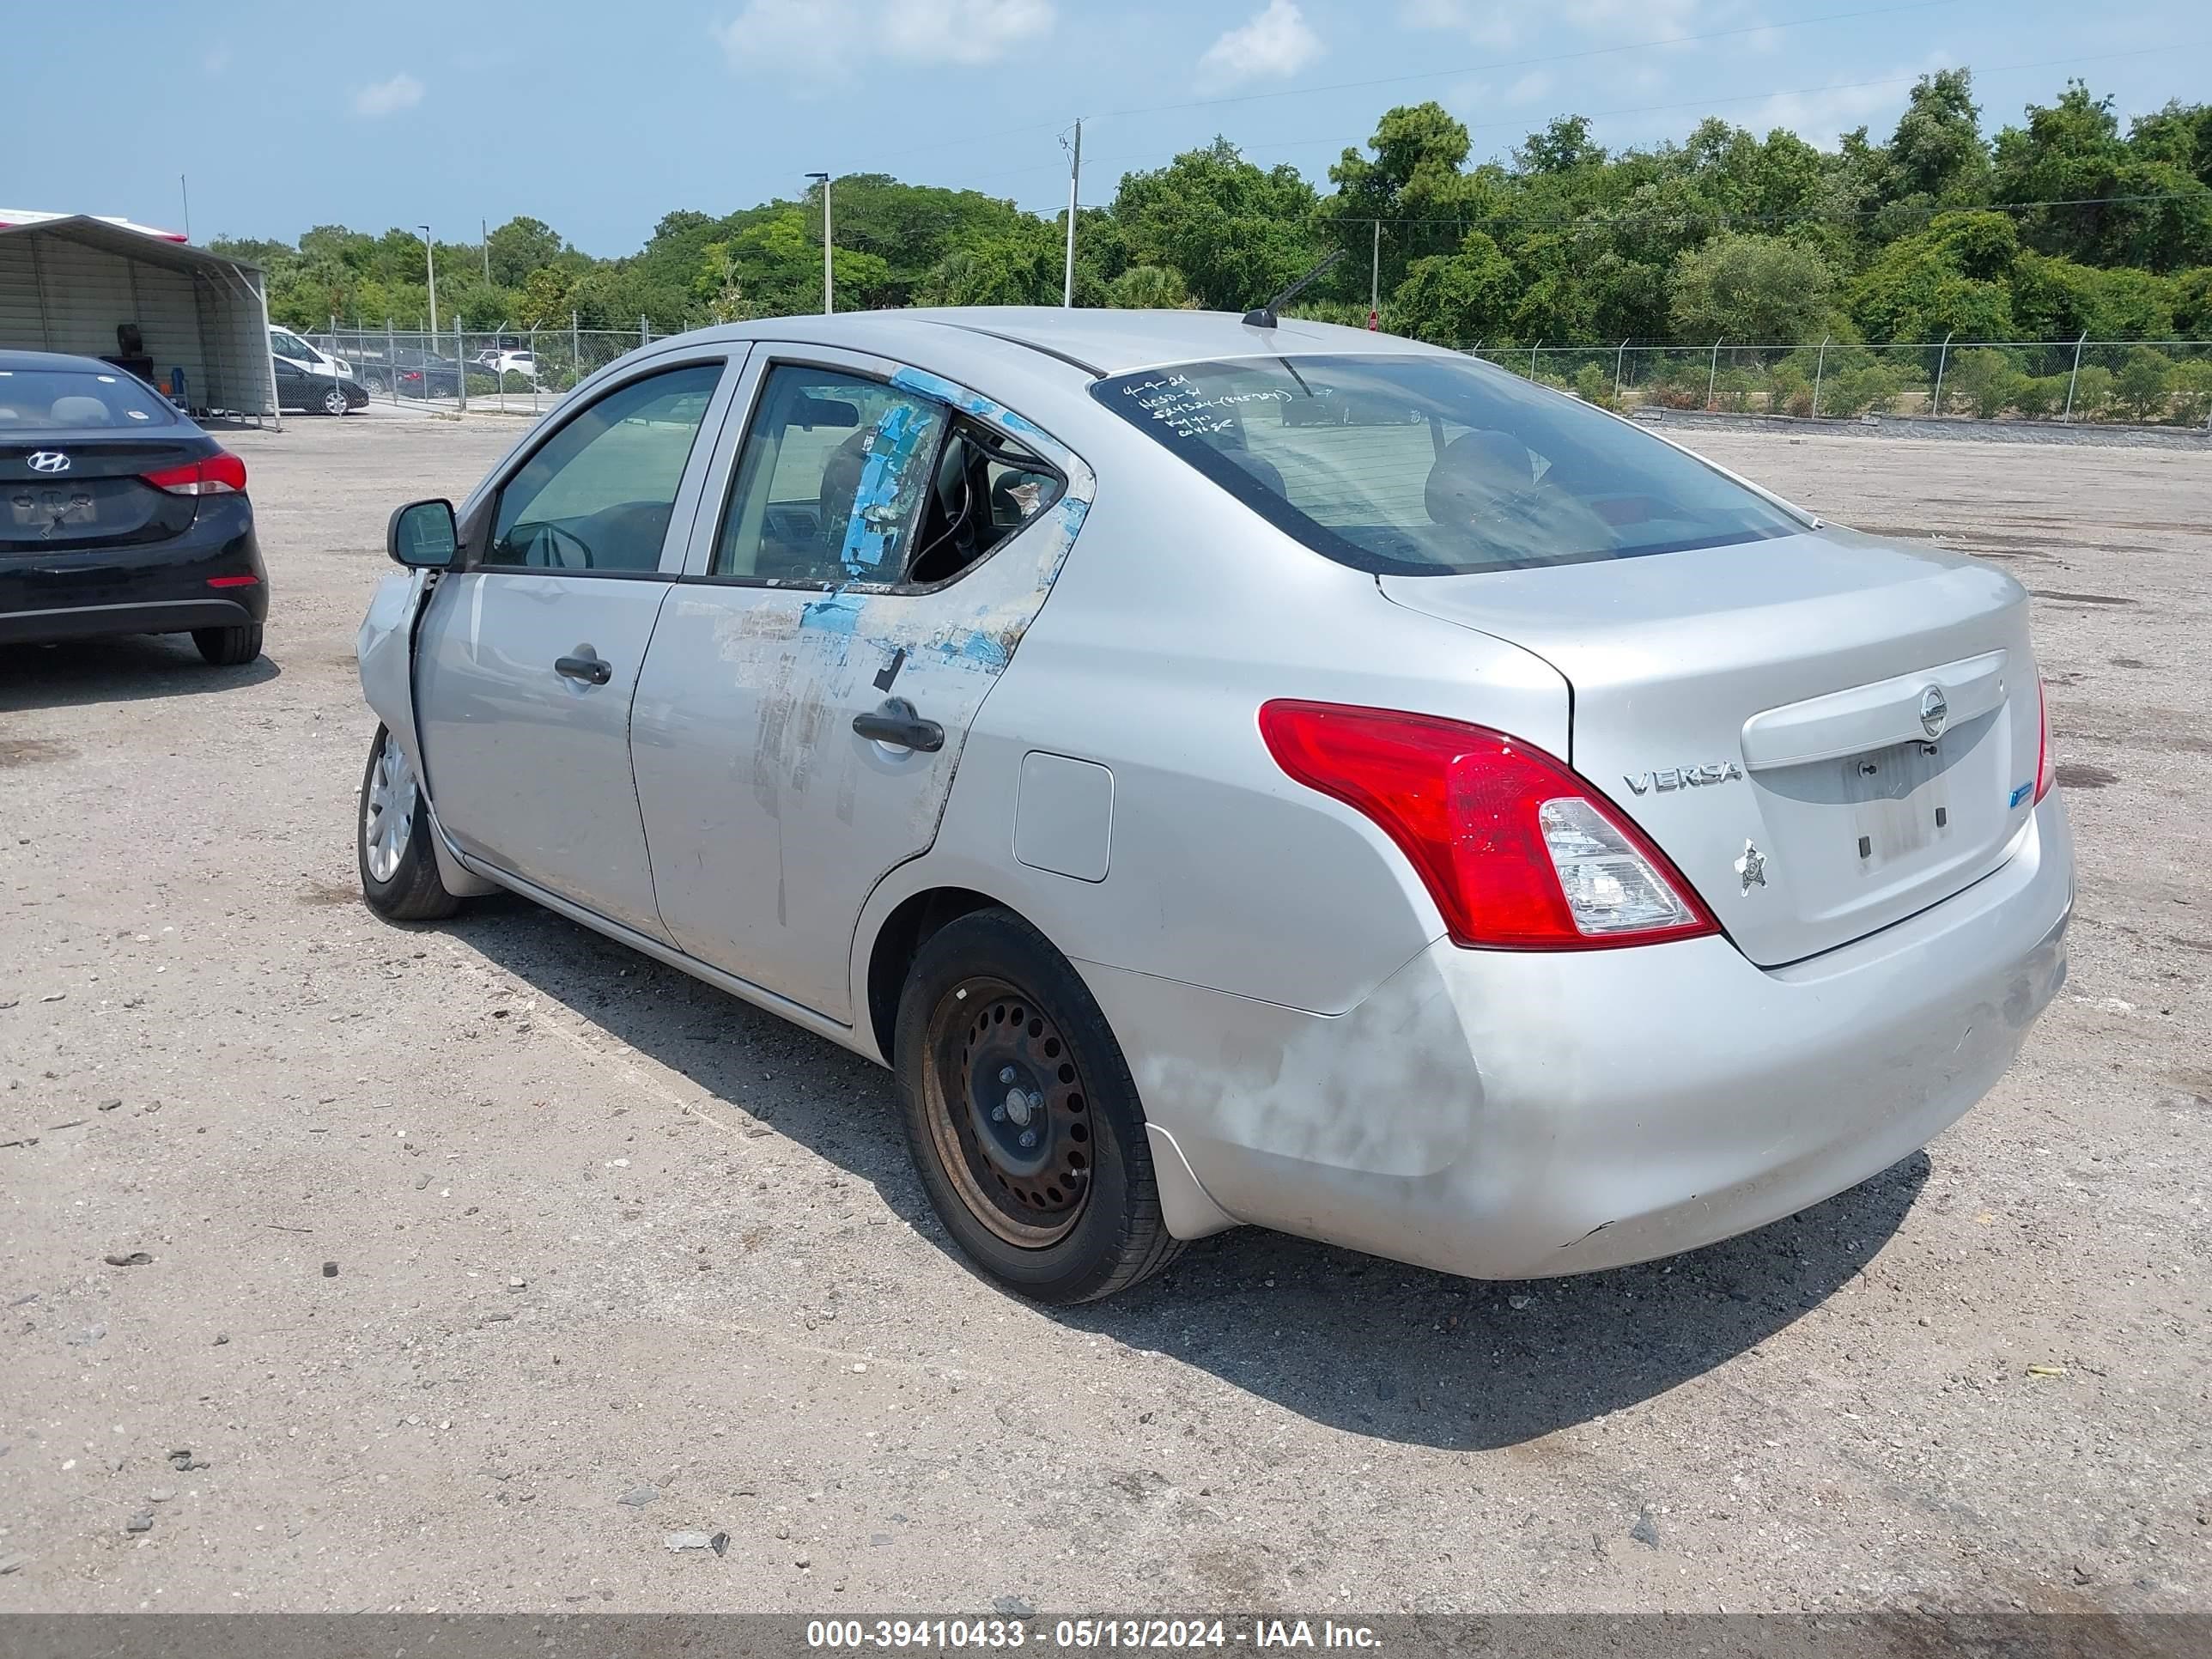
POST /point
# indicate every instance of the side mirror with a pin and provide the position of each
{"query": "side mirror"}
(421, 535)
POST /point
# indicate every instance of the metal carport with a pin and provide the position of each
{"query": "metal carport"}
(66, 283)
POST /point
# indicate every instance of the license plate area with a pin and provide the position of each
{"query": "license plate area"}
(1898, 800)
(45, 509)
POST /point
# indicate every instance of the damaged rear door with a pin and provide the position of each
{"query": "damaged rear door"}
(858, 578)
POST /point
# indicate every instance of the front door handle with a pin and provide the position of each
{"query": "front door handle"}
(895, 722)
(590, 670)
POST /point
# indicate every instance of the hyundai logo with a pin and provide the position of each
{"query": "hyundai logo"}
(49, 461)
(1934, 711)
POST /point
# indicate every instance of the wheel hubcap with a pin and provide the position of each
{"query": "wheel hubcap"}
(1008, 1112)
(388, 812)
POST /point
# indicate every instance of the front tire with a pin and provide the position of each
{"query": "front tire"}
(334, 402)
(229, 647)
(391, 840)
(1022, 1117)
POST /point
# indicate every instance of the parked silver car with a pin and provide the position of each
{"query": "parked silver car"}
(1466, 828)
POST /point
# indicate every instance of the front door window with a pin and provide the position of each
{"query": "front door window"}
(598, 494)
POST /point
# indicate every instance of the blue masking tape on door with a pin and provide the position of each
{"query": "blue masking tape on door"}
(869, 546)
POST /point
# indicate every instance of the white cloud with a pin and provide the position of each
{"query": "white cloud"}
(1496, 27)
(820, 39)
(1821, 115)
(1638, 19)
(402, 91)
(1273, 46)
(1530, 87)
(1486, 25)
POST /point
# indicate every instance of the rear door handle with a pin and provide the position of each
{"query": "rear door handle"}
(895, 722)
(590, 670)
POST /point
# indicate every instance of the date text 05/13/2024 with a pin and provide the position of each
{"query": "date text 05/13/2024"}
(1088, 1634)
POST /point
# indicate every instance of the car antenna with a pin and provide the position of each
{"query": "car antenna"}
(1264, 316)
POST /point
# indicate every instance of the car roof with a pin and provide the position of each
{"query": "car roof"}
(52, 360)
(1099, 341)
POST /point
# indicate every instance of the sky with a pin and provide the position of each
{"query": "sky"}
(598, 119)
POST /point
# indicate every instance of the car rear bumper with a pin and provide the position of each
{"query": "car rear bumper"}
(1513, 1115)
(209, 576)
(100, 621)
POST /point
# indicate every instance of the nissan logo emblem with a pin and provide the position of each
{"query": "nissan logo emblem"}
(49, 461)
(1934, 711)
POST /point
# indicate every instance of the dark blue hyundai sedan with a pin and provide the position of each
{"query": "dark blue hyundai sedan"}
(120, 515)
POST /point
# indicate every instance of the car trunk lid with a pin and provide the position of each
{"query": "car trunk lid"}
(1825, 732)
(96, 495)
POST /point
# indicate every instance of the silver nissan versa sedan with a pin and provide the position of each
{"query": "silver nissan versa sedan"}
(1240, 774)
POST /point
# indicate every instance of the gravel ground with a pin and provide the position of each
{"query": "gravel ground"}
(483, 1257)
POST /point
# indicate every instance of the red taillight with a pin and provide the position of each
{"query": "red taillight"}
(1518, 852)
(2046, 769)
(233, 582)
(220, 474)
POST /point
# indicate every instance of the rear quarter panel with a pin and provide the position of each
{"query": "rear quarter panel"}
(1177, 614)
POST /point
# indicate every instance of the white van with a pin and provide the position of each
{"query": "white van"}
(283, 342)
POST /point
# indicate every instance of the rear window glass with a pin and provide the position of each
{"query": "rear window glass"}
(46, 397)
(1435, 465)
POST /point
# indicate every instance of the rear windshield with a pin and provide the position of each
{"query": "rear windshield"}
(1432, 466)
(46, 397)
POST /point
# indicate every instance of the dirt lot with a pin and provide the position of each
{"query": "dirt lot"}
(615, 1257)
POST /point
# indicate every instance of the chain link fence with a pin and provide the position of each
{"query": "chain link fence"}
(2141, 382)
(521, 371)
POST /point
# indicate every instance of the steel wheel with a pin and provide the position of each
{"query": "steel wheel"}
(388, 811)
(1007, 1111)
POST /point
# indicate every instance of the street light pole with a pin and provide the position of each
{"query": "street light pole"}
(828, 271)
(1075, 189)
(1374, 280)
(430, 266)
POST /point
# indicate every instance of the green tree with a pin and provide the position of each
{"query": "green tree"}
(519, 247)
(1149, 287)
(2093, 391)
(1412, 184)
(1750, 288)
(1238, 233)
(2056, 299)
(2144, 384)
(1982, 380)
(1951, 278)
(2102, 200)
(1456, 299)
(1936, 154)
(2193, 391)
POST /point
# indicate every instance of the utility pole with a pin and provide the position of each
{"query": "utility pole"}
(1075, 192)
(829, 271)
(1375, 282)
(430, 266)
(184, 187)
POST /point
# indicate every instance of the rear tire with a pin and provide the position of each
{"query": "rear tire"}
(229, 647)
(1022, 1117)
(391, 840)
